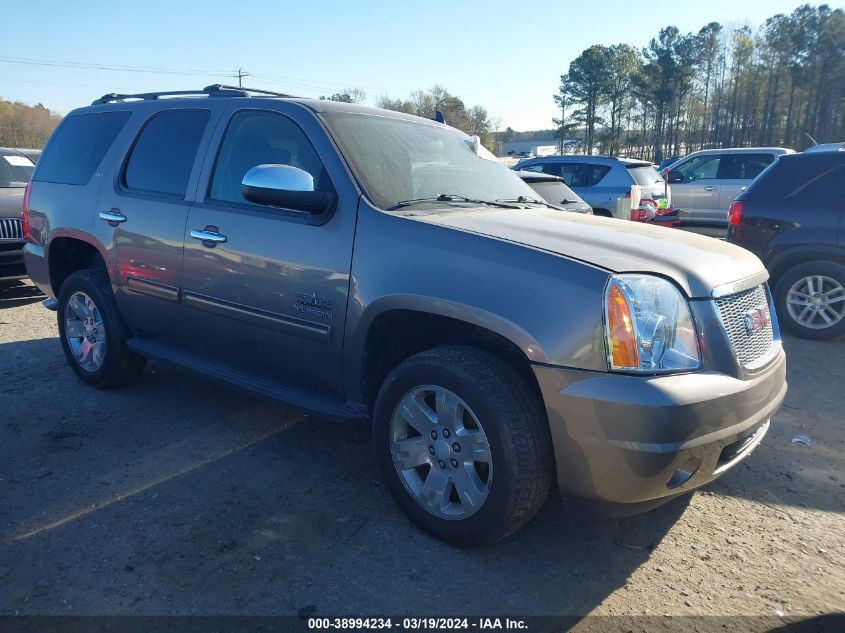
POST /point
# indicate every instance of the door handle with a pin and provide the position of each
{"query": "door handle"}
(710, 188)
(208, 236)
(113, 217)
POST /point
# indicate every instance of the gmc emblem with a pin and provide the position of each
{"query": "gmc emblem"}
(756, 319)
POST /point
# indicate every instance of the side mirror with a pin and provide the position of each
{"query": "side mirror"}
(287, 187)
(675, 177)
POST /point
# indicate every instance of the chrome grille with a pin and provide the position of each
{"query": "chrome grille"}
(751, 349)
(11, 229)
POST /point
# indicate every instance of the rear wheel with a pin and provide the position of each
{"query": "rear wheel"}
(811, 300)
(92, 332)
(463, 445)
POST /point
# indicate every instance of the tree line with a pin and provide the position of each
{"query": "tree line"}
(25, 126)
(781, 84)
(473, 120)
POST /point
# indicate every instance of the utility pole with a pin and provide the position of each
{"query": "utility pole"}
(240, 75)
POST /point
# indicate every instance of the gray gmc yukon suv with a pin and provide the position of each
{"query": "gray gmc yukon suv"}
(364, 264)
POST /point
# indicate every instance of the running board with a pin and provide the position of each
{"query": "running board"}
(303, 399)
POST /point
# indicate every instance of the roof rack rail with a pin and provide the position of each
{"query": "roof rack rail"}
(214, 90)
(244, 89)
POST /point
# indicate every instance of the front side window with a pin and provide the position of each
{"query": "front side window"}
(699, 168)
(164, 153)
(78, 147)
(255, 138)
(399, 160)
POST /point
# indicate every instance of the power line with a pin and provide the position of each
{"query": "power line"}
(283, 80)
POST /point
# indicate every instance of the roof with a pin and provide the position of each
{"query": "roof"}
(741, 150)
(601, 159)
(826, 147)
(536, 176)
(219, 91)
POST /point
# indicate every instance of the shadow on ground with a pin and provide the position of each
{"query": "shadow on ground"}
(786, 472)
(18, 293)
(177, 496)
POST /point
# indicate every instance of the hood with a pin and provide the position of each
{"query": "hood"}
(696, 262)
(11, 202)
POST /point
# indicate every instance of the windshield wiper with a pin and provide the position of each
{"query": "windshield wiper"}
(527, 200)
(446, 197)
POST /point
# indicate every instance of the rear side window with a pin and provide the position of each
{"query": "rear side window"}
(163, 155)
(78, 147)
(744, 166)
(582, 174)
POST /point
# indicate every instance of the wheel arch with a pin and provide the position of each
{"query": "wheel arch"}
(72, 251)
(787, 259)
(396, 328)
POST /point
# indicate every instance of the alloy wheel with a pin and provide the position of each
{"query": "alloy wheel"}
(816, 302)
(84, 330)
(441, 452)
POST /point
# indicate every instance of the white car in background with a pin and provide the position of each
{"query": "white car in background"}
(705, 183)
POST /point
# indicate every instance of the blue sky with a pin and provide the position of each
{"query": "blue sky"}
(506, 56)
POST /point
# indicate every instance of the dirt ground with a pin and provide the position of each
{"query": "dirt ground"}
(176, 496)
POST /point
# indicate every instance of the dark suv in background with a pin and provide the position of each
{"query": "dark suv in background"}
(792, 217)
(15, 171)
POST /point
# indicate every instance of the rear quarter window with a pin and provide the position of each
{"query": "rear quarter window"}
(78, 146)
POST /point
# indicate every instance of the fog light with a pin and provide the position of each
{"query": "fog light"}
(684, 473)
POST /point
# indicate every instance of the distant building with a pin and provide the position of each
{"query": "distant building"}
(537, 147)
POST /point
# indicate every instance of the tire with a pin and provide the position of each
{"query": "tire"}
(110, 364)
(828, 280)
(491, 398)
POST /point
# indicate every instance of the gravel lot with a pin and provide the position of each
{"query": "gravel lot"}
(176, 496)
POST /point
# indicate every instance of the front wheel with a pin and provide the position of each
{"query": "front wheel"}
(463, 445)
(810, 300)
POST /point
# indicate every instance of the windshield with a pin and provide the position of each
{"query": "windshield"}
(645, 175)
(398, 160)
(15, 170)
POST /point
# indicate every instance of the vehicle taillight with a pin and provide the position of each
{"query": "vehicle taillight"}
(735, 213)
(25, 212)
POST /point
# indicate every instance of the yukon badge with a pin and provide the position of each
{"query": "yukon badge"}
(756, 319)
(314, 305)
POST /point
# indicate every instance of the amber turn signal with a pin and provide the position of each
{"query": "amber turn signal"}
(620, 329)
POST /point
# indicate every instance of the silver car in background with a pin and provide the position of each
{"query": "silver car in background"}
(554, 191)
(705, 183)
(599, 180)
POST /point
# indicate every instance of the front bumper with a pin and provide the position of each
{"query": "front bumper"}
(11, 259)
(624, 444)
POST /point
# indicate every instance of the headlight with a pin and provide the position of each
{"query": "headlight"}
(648, 325)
